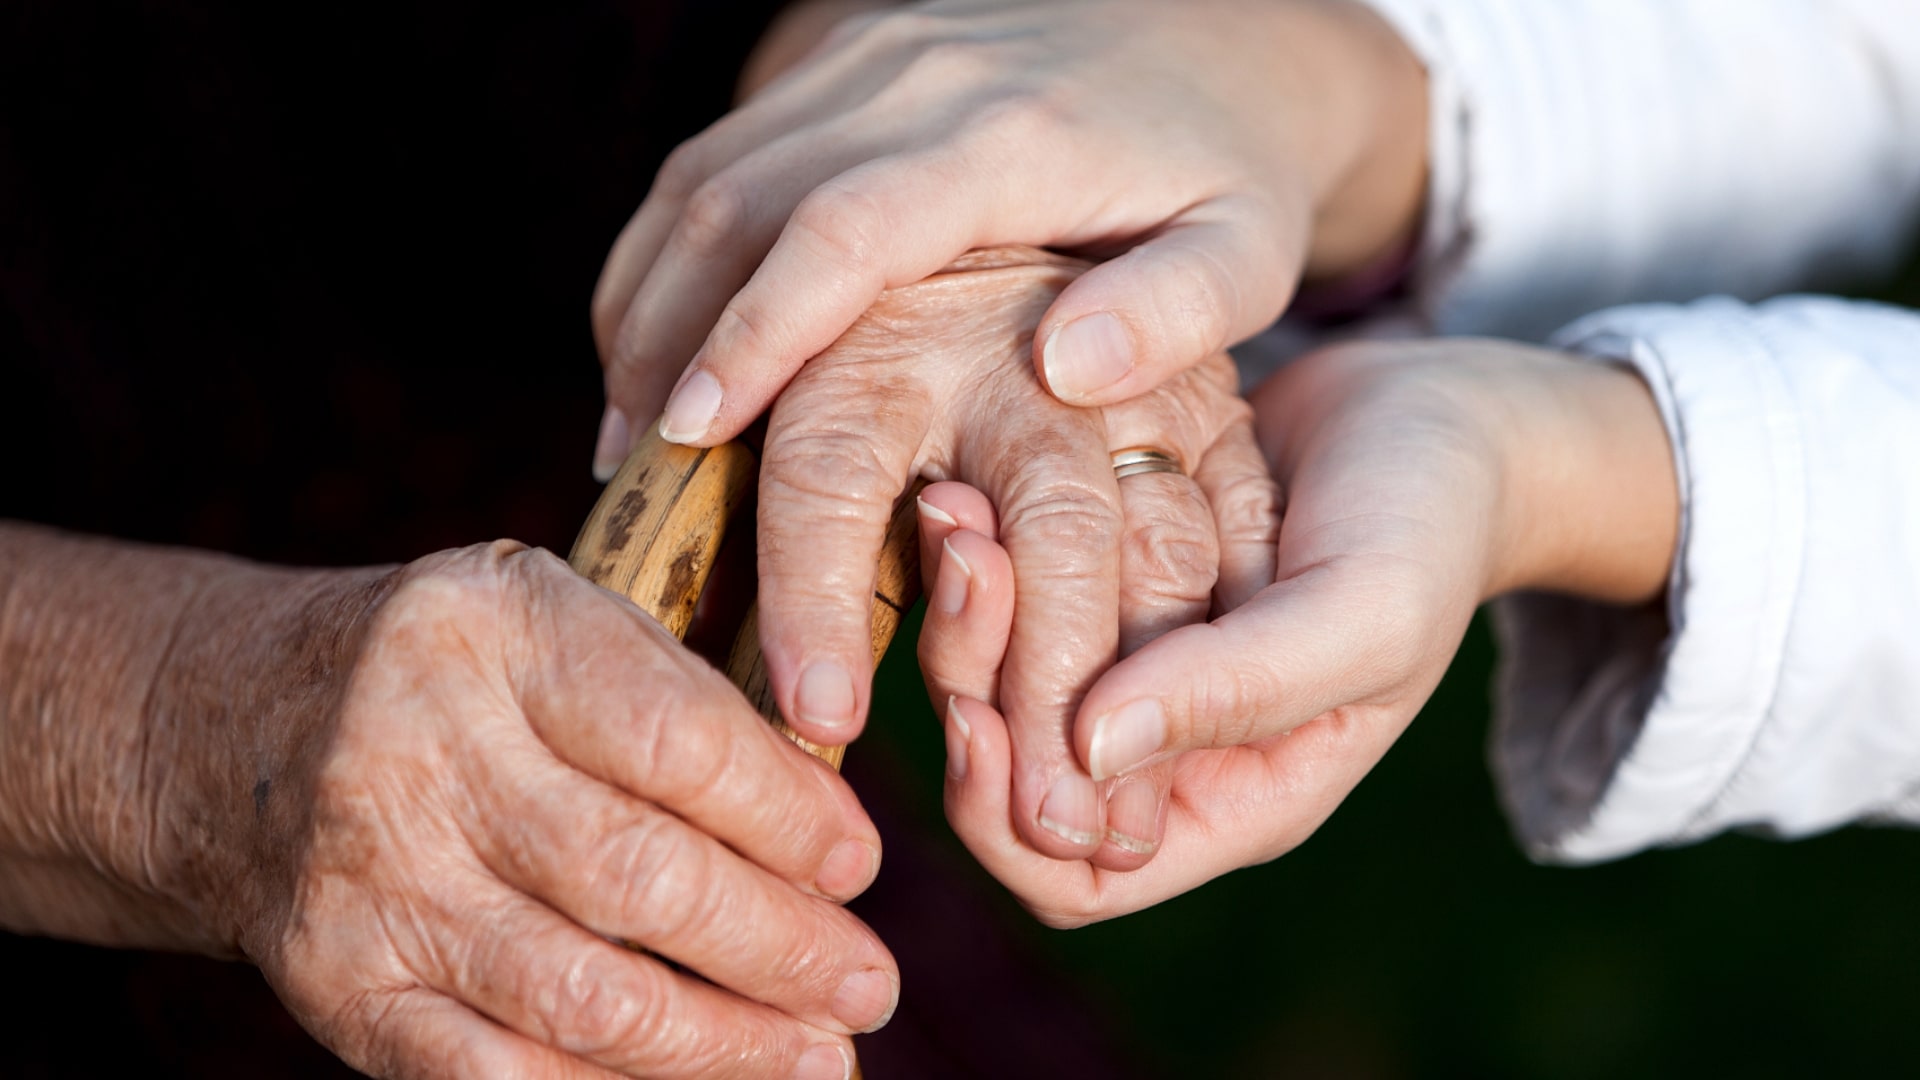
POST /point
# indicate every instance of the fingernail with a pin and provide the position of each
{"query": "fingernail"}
(611, 448)
(1071, 810)
(691, 409)
(825, 695)
(959, 738)
(951, 584)
(934, 513)
(1126, 737)
(1088, 354)
(865, 1001)
(1133, 817)
(823, 1062)
(848, 870)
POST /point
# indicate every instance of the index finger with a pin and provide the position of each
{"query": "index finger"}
(816, 89)
(827, 490)
(611, 692)
(888, 222)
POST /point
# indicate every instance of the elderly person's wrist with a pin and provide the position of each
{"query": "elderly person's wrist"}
(448, 785)
(244, 708)
(144, 688)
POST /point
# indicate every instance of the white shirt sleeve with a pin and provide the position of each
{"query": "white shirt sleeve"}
(1780, 691)
(1588, 153)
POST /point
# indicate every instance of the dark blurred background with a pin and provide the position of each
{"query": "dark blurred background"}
(309, 284)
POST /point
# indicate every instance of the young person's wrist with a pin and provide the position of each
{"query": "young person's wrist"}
(1591, 503)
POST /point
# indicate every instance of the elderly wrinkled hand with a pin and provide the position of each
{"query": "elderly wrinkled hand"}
(432, 803)
(933, 382)
(525, 767)
(1420, 479)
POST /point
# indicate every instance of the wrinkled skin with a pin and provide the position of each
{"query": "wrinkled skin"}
(520, 767)
(423, 800)
(427, 802)
(1421, 479)
(934, 382)
(1217, 150)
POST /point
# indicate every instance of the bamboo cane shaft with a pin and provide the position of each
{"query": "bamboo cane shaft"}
(657, 528)
(653, 535)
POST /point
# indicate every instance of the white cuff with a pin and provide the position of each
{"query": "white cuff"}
(1619, 729)
(1781, 691)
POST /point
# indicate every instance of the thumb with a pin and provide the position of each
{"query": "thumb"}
(1218, 274)
(1297, 650)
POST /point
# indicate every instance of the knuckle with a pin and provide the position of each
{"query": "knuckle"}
(442, 593)
(1199, 295)
(843, 472)
(601, 1009)
(663, 880)
(456, 618)
(743, 328)
(1217, 294)
(1018, 118)
(892, 29)
(1221, 379)
(1175, 555)
(813, 820)
(683, 170)
(606, 311)
(528, 565)
(953, 62)
(680, 749)
(849, 30)
(1234, 705)
(1196, 406)
(1225, 701)
(811, 960)
(845, 224)
(1065, 514)
(1247, 508)
(712, 216)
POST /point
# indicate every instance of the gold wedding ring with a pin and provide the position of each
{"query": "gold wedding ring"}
(1140, 460)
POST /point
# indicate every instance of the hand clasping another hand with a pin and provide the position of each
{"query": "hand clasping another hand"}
(1420, 480)
(934, 381)
(520, 771)
(1214, 150)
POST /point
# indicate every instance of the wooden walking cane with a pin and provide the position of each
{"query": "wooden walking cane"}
(656, 531)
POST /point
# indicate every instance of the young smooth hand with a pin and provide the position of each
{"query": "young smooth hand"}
(1420, 479)
(1219, 150)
